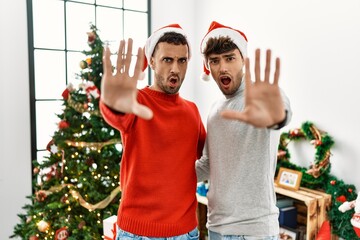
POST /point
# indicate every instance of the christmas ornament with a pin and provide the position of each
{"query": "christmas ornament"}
(83, 64)
(319, 139)
(61, 234)
(91, 37)
(63, 124)
(41, 195)
(43, 226)
(81, 225)
(33, 238)
(355, 220)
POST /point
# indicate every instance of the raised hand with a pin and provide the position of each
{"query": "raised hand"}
(263, 102)
(118, 91)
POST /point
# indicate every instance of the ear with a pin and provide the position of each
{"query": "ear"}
(152, 63)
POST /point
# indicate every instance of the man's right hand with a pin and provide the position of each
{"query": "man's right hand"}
(118, 91)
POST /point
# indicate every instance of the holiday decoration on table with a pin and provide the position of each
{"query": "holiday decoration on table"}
(318, 176)
(355, 219)
(76, 186)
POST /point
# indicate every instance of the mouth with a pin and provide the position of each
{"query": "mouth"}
(173, 81)
(225, 80)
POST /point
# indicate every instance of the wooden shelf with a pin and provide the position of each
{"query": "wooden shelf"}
(317, 204)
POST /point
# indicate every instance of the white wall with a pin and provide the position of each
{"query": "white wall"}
(15, 170)
(317, 42)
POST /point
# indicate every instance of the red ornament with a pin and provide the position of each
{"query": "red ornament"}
(350, 190)
(333, 182)
(33, 238)
(61, 234)
(91, 37)
(81, 224)
(341, 198)
(63, 124)
(65, 94)
(41, 195)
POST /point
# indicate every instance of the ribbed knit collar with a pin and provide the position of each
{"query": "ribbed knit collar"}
(162, 95)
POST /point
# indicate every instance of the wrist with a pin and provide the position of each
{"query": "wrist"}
(279, 125)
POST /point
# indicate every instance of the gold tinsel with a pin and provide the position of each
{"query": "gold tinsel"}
(93, 145)
(79, 107)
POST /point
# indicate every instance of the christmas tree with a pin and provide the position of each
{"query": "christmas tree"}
(77, 186)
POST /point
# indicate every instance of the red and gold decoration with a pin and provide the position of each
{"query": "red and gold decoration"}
(317, 176)
(76, 181)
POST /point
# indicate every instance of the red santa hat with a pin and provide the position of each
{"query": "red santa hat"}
(154, 38)
(217, 30)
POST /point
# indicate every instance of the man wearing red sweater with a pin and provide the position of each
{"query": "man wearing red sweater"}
(162, 136)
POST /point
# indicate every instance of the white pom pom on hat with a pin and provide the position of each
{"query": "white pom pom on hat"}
(154, 38)
(216, 30)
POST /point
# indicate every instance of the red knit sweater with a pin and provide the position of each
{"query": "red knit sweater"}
(157, 176)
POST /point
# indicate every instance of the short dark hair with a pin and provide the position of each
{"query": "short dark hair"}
(219, 45)
(173, 38)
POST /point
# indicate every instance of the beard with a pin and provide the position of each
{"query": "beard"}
(164, 85)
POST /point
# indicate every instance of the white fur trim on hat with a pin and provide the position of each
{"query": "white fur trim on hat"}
(154, 38)
(217, 30)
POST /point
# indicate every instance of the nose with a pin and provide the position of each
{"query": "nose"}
(175, 69)
(223, 66)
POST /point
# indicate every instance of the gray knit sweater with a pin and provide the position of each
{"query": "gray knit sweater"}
(241, 197)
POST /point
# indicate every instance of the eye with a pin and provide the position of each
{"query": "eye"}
(182, 60)
(213, 61)
(229, 59)
(167, 60)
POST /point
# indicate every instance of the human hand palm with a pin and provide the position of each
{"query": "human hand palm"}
(263, 102)
(119, 90)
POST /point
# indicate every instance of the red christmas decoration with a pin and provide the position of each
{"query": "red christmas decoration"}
(341, 198)
(41, 195)
(324, 232)
(63, 124)
(61, 234)
(91, 37)
(333, 182)
(33, 238)
(350, 190)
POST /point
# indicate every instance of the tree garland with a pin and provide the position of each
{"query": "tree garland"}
(318, 176)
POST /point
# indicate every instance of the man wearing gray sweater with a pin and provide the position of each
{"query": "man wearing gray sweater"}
(240, 154)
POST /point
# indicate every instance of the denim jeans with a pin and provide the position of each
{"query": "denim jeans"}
(122, 235)
(218, 236)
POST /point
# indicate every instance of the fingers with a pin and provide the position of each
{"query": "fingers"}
(234, 115)
(257, 66)
(138, 71)
(120, 58)
(127, 62)
(277, 71)
(267, 66)
(267, 70)
(247, 74)
(107, 67)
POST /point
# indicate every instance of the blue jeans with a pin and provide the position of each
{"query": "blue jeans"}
(122, 235)
(218, 236)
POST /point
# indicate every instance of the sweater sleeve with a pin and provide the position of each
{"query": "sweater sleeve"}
(287, 107)
(202, 166)
(117, 120)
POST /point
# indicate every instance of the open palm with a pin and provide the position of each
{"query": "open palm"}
(119, 91)
(263, 102)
